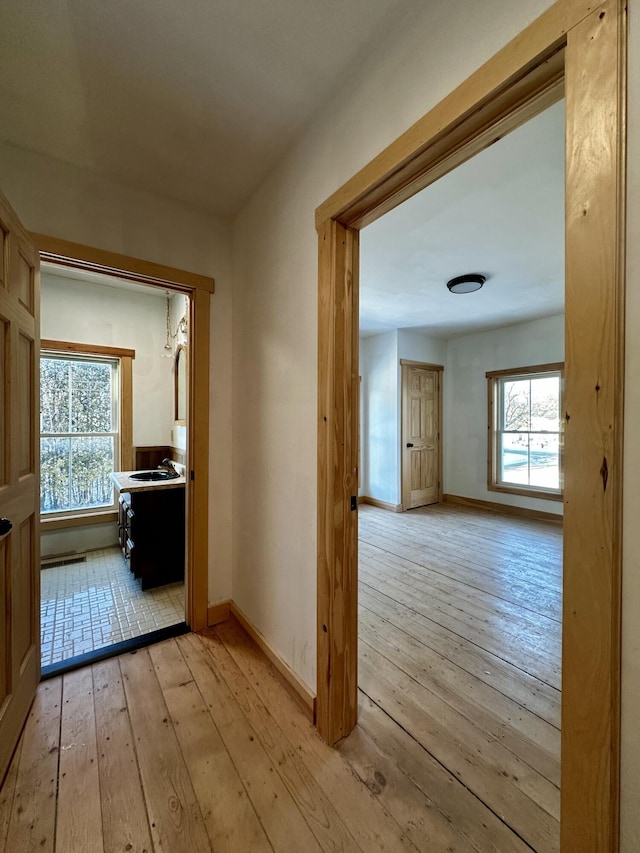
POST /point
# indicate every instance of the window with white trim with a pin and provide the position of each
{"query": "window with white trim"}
(525, 431)
(79, 431)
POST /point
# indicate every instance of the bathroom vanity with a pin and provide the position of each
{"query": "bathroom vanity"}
(151, 527)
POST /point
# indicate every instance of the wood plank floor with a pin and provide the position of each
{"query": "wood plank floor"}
(193, 745)
(459, 668)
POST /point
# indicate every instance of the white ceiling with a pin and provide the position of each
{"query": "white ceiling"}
(500, 214)
(49, 271)
(195, 100)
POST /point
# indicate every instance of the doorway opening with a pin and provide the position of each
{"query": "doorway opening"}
(558, 51)
(460, 572)
(113, 455)
(179, 337)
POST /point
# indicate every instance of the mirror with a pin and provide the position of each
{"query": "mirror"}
(180, 385)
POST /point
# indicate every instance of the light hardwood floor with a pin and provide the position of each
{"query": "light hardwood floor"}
(194, 746)
(459, 657)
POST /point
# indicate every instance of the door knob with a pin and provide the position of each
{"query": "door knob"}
(409, 444)
(5, 526)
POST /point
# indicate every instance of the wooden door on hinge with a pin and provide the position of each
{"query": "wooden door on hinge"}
(420, 436)
(19, 488)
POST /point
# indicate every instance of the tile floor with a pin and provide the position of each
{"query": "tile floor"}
(90, 605)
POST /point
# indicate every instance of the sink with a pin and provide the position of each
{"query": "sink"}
(154, 475)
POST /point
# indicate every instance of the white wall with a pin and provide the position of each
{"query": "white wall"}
(465, 359)
(379, 417)
(414, 346)
(54, 198)
(77, 540)
(89, 313)
(381, 406)
(275, 303)
(469, 357)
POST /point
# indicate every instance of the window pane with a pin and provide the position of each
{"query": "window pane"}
(90, 397)
(545, 403)
(544, 456)
(54, 395)
(515, 404)
(54, 474)
(527, 431)
(91, 463)
(514, 461)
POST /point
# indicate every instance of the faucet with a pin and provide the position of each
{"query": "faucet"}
(168, 464)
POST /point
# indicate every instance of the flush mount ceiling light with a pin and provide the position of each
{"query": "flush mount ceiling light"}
(466, 283)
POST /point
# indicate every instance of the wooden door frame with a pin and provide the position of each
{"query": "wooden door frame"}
(199, 288)
(438, 369)
(580, 47)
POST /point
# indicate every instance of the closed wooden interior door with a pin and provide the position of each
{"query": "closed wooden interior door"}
(19, 489)
(420, 437)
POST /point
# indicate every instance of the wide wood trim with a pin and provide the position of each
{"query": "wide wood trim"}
(439, 376)
(303, 696)
(424, 364)
(594, 356)
(79, 256)
(505, 509)
(503, 110)
(524, 371)
(126, 412)
(541, 39)
(527, 493)
(217, 613)
(365, 499)
(180, 353)
(78, 520)
(338, 396)
(198, 461)
(595, 83)
(89, 349)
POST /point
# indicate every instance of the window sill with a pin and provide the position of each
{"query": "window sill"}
(524, 492)
(78, 520)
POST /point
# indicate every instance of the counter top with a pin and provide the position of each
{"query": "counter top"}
(124, 483)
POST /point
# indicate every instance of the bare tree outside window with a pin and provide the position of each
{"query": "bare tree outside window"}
(516, 405)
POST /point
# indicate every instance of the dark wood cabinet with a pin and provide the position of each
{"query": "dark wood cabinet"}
(151, 531)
